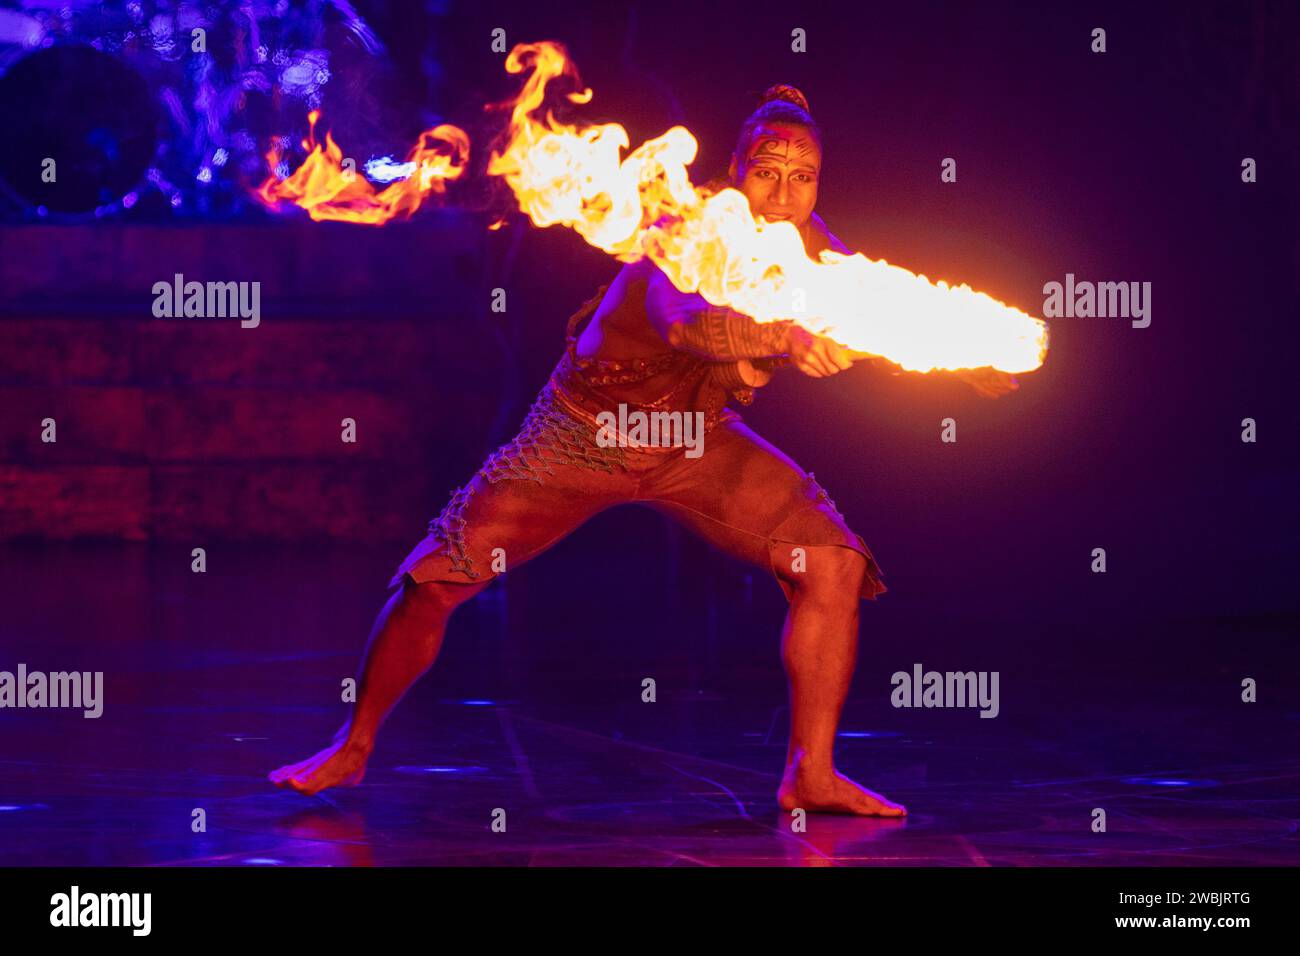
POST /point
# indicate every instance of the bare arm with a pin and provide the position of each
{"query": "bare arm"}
(688, 322)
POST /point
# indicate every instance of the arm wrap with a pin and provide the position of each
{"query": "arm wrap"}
(726, 335)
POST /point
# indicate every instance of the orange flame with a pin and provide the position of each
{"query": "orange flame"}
(645, 205)
(328, 190)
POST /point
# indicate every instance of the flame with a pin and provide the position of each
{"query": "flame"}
(328, 190)
(645, 205)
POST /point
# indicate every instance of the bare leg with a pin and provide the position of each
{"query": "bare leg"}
(819, 646)
(404, 643)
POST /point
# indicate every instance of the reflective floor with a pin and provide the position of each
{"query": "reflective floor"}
(202, 697)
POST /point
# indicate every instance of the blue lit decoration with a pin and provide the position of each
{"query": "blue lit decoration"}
(250, 73)
(1177, 783)
(435, 769)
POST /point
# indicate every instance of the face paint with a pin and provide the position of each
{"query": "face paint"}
(776, 146)
(780, 172)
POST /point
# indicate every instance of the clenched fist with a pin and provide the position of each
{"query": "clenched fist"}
(816, 355)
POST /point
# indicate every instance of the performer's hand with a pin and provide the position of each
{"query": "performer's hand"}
(817, 355)
(988, 381)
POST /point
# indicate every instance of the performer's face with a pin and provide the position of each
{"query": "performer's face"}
(779, 172)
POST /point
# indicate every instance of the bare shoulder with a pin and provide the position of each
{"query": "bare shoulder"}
(666, 303)
(625, 312)
(628, 286)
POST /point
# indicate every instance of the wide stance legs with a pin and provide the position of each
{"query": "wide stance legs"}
(819, 650)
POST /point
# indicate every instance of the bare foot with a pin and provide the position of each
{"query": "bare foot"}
(833, 792)
(339, 765)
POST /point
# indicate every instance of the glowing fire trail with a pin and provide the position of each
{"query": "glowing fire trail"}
(328, 190)
(645, 205)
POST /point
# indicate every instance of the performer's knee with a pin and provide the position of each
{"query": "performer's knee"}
(436, 598)
(829, 574)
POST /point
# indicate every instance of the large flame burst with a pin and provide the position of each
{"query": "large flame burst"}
(644, 205)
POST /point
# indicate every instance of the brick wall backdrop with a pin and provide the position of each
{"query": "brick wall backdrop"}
(186, 429)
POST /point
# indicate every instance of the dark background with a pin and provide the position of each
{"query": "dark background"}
(1123, 166)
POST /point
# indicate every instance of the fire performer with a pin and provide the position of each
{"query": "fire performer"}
(641, 343)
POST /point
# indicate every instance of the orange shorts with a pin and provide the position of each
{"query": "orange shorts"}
(741, 494)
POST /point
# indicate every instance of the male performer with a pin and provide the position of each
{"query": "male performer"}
(642, 343)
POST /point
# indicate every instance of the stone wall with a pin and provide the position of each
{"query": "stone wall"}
(196, 428)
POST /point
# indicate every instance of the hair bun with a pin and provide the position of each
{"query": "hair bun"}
(791, 94)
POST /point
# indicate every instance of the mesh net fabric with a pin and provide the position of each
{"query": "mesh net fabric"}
(547, 438)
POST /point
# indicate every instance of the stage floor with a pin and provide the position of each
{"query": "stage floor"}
(212, 695)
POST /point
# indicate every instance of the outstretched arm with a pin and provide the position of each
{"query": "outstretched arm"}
(687, 321)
